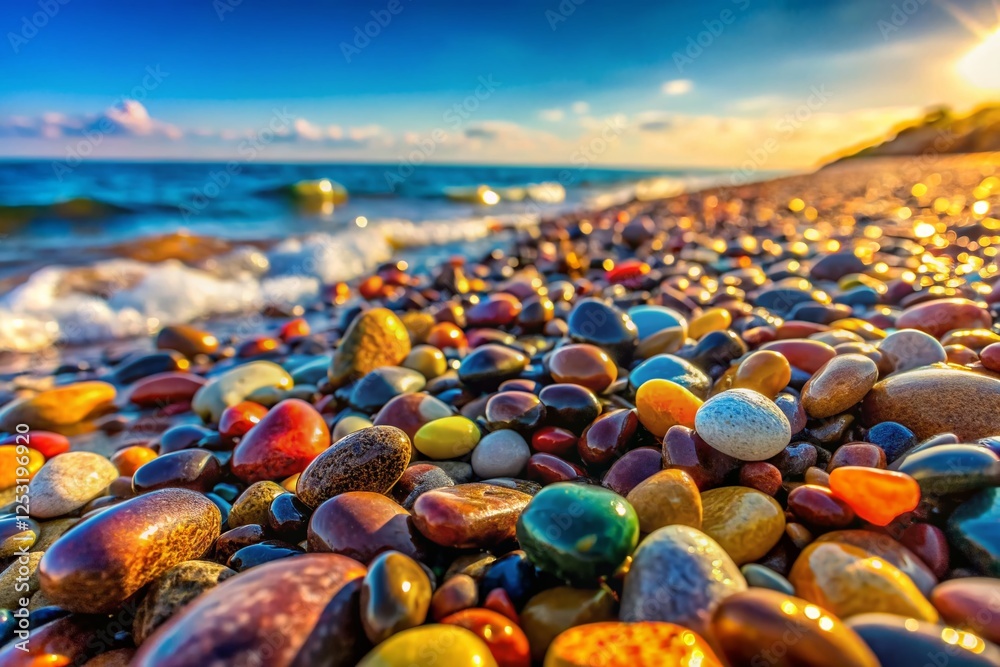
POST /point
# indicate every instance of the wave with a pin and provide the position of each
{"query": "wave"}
(76, 208)
(122, 298)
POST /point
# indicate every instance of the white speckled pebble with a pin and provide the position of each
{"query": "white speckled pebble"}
(744, 424)
(68, 482)
(500, 454)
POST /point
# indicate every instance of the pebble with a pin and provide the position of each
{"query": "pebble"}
(670, 497)
(607, 437)
(427, 360)
(285, 442)
(661, 404)
(395, 596)
(679, 575)
(253, 505)
(371, 459)
(361, 525)
(174, 589)
(940, 316)
(410, 412)
(100, 562)
(68, 482)
(817, 506)
(506, 641)
(555, 610)
(765, 372)
(187, 340)
(458, 592)
(840, 384)
(937, 400)
(486, 367)
(46, 443)
(847, 580)
(757, 624)
(743, 424)
(195, 469)
(806, 355)
(631, 469)
(577, 532)
(447, 438)
(569, 406)
(888, 549)
(759, 576)
(517, 410)
(908, 349)
(894, 439)
(239, 620)
(674, 369)
(597, 323)
(877, 496)
(19, 579)
(381, 385)
(970, 604)
(235, 385)
(948, 469)
(585, 365)
(163, 389)
(17, 534)
(374, 338)
(58, 409)
(501, 453)
(644, 644)
(972, 530)
(469, 515)
(435, 645)
(904, 641)
(744, 522)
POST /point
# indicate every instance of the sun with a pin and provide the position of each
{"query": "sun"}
(981, 65)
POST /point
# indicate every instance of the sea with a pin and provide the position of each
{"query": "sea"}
(98, 251)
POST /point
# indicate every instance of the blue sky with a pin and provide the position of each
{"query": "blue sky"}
(534, 81)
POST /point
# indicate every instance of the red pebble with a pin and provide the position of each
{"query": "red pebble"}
(762, 476)
(817, 506)
(238, 419)
(165, 388)
(294, 329)
(929, 544)
(506, 640)
(553, 440)
(499, 601)
(44, 442)
(283, 443)
(549, 469)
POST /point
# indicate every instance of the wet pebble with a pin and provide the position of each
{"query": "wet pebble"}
(743, 424)
(68, 482)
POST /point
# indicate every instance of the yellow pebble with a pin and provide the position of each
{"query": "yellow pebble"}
(713, 319)
(447, 438)
(662, 404)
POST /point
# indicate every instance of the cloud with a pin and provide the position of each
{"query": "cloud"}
(677, 87)
(552, 115)
(129, 118)
(580, 107)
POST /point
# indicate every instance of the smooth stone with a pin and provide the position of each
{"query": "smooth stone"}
(940, 316)
(517, 410)
(970, 604)
(607, 437)
(555, 610)
(888, 549)
(905, 641)
(650, 320)
(930, 545)
(17, 583)
(288, 518)
(670, 497)
(58, 409)
(501, 453)
(417, 479)
(253, 505)
(187, 340)
(68, 482)
(715, 351)
(744, 522)
(469, 515)
(458, 592)
(410, 412)
(743, 424)
(427, 360)
(972, 530)
(678, 575)
(17, 534)
(554, 440)
(174, 589)
(434, 645)
(447, 438)
(489, 365)
(289, 437)
(375, 338)
(182, 436)
(70, 640)
(11, 461)
(361, 525)
(840, 384)
(548, 469)
(643, 644)
(235, 385)
(760, 576)
(103, 560)
(857, 454)
(876, 496)
(817, 506)
(937, 400)
(763, 371)
(807, 355)
(752, 625)
(683, 449)
(347, 425)
(597, 323)
(130, 459)
(195, 469)
(371, 459)
(848, 580)
(162, 389)
(948, 469)
(265, 551)
(145, 365)
(761, 476)
(569, 406)
(381, 385)
(513, 573)
(582, 364)
(662, 404)
(395, 596)
(894, 439)
(631, 469)
(506, 641)
(907, 349)
(235, 539)
(247, 617)
(52, 530)
(578, 532)
(672, 368)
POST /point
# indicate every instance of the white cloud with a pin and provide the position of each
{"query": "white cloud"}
(580, 107)
(129, 119)
(552, 115)
(677, 87)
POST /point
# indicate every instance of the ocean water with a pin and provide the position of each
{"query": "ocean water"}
(101, 250)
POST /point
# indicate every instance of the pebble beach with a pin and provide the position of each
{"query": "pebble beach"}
(745, 426)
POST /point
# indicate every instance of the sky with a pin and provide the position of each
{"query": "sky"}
(714, 83)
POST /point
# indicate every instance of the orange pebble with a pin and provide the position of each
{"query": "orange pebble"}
(662, 404)
(713, 319)
(877, 496)
(11, 462)
(445, 334)
(371, 287)
(294, 329)
(643, 644)
(129, 459)
(765, 372)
